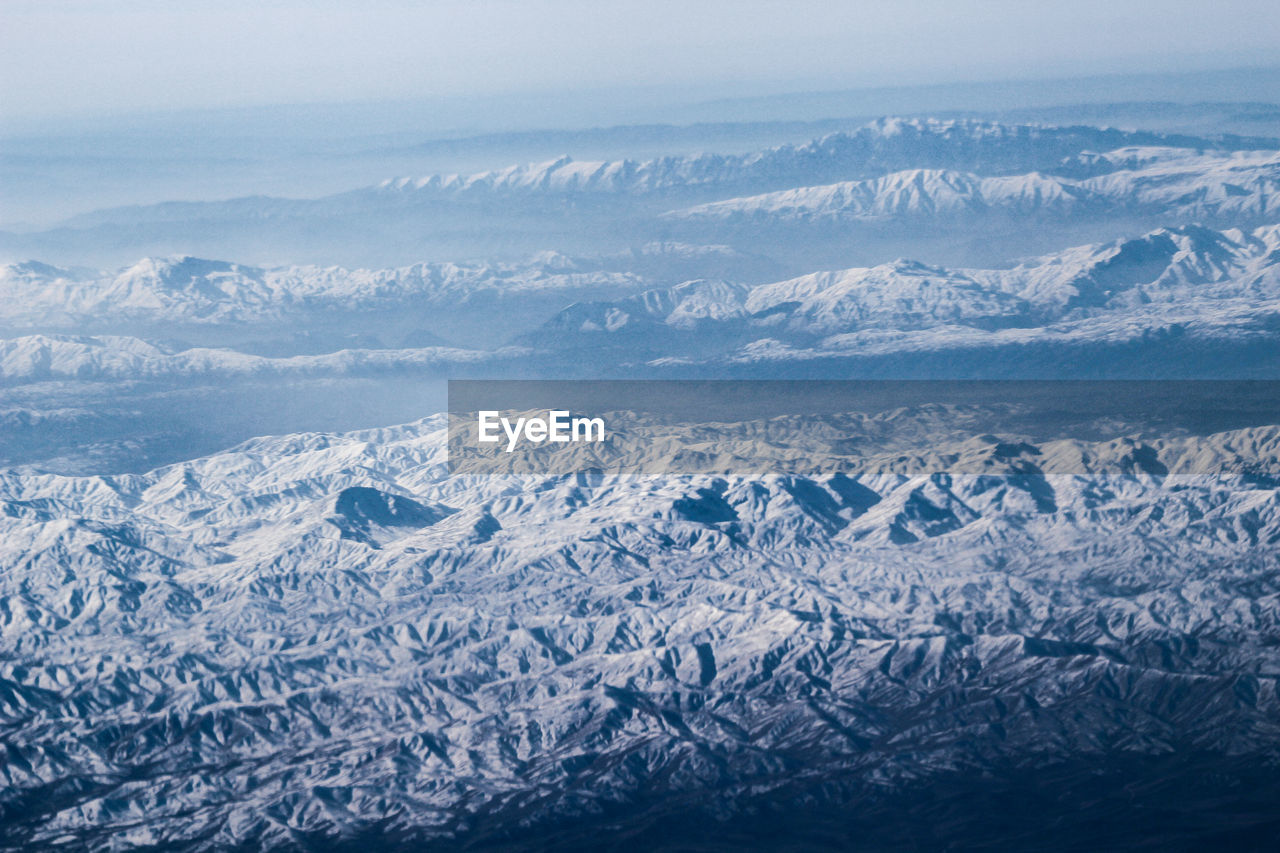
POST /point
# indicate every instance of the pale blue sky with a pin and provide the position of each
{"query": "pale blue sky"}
(76, 57)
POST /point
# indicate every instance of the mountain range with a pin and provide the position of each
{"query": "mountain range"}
(918, 172)
(1174, 183)
(343, 639)
(248, 600)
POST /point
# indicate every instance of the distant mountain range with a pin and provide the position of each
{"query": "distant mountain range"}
(1186, 287)
(302, 309)
(925, 175)
(883, 146)
(1176, 184)
(1186, 292)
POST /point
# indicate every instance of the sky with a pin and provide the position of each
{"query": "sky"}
(69, 58)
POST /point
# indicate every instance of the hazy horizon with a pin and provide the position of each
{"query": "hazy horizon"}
(55, 168)
(78, 59)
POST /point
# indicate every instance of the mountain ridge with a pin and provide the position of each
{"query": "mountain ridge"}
(382, 636)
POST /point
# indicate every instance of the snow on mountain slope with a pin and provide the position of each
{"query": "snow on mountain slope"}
(903, 294)
(1176, 184)
(885, 145)
(1164, 265)
(1188, 280)
(1194, 281)
(888, 170)
(318, 637)
(41, 358)
(192, 290)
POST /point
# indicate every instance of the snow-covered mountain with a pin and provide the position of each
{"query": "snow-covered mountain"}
(317, 638)
(43, 358)
(885, 145)
(1191, 283)
(182, 290)
(1179, 184)
(200, 339)
(923, 628)
(889, 168)
(310, 310)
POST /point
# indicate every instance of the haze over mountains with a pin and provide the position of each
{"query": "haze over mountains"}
(611, 206)
(1207, 301)
(54, 170)
(243, 603)
(1127, 180)
(1185, 302)
(1191, 284)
